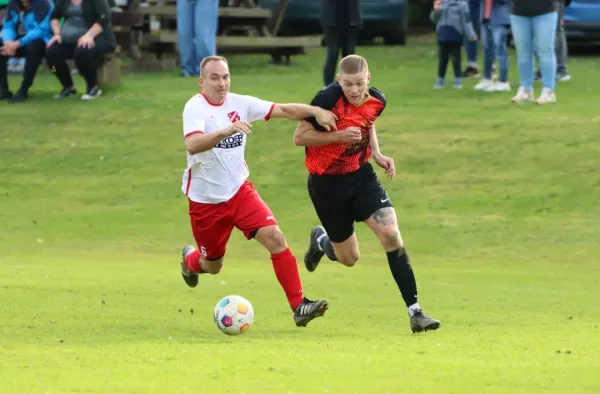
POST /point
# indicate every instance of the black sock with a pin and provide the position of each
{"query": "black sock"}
(403, 275)
(327, 247)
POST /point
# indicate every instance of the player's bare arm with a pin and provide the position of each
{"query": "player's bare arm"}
(302, 111)
(200, 142)
(306, 135)
(387, 163)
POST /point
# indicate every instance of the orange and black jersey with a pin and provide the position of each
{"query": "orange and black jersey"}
(340, 157)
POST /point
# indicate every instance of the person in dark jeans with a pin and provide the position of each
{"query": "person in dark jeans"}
(471, 47)
(341, 22)
(36, 23)
(453, 25)
(85, 36)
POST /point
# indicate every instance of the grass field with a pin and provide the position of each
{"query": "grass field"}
(498, 204)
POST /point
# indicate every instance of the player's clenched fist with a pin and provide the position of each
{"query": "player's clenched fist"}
(350, 134)
(241, 126)
(326, 119)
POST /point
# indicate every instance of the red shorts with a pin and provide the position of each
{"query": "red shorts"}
(212, 223)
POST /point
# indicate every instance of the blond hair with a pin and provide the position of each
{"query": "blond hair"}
(353, 64)
(209, 59)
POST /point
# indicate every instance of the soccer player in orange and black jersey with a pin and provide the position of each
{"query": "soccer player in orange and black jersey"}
(344, 187)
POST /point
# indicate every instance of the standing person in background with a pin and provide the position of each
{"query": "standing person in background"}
(495, 22)
(533, 25)
(453, 25)
(197, 22)
(471, 47)
(341, 23)
(560, 46)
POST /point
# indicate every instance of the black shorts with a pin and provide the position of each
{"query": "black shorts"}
(341, 200)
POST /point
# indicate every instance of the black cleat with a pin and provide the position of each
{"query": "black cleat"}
(66, 92)
(308, 311)
(20, 97)
(421, 322)
(190, 278)
(5, 95)
(313, 254)
(470, 71)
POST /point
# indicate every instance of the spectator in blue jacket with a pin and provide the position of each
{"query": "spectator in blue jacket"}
(34, 15)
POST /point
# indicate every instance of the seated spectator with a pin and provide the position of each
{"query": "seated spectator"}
(86, 35)
(34, 15)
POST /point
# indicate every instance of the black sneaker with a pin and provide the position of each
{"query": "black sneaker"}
(190, 278)
(66, 92)
(92, 93)
(5, 95)
(470, 71)
(421, 322)
(20, 97)
(308, 311)
(313, 254)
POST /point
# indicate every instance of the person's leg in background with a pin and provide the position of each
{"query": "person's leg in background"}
(443, 57)
(456, 56)
(33, 53)
(185, 37)
(57, 54)
(499, 34)
(521, 27)
(5, 92)
(487, 40)
(349, 40)
(562, 75)
(86, 60)
(333, 50)
(206, 19)
(471, 47)
(544, 36)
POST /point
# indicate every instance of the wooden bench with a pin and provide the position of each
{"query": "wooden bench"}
(242, 30)
(109, 69)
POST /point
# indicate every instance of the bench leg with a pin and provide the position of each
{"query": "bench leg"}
(109, 72)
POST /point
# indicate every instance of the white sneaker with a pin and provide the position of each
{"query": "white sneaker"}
(498, 87)
(563, 77)
(547, 97)
(484, 84)
(522, 96)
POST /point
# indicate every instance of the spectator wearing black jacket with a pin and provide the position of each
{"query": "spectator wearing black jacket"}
(341, 22)
(85, 36)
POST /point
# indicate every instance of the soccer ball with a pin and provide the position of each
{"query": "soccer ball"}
(234, 315)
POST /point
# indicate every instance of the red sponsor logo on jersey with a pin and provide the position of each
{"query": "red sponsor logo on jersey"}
(233, 116)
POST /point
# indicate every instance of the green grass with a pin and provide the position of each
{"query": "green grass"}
(498, 204)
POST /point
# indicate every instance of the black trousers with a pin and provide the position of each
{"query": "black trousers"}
(33, 54)
(86, 60)
(446, 52)
(338, 38)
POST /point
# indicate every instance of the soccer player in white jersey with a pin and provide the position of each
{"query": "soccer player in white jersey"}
(216, 124)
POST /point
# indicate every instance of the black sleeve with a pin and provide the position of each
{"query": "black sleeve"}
(326, 99)
(374, 92)
(101, 13)
(57, 13)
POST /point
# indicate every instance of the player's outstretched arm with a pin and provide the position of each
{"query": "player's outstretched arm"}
(302, 111)
(306, 135)
(387, 163)
(198, 142)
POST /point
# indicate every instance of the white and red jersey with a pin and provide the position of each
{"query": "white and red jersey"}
(216, 175)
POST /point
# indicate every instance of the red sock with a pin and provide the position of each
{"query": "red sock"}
(192, 261)
(286, 270)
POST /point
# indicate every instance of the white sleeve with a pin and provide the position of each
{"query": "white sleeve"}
(258, 109)
(193, 120)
